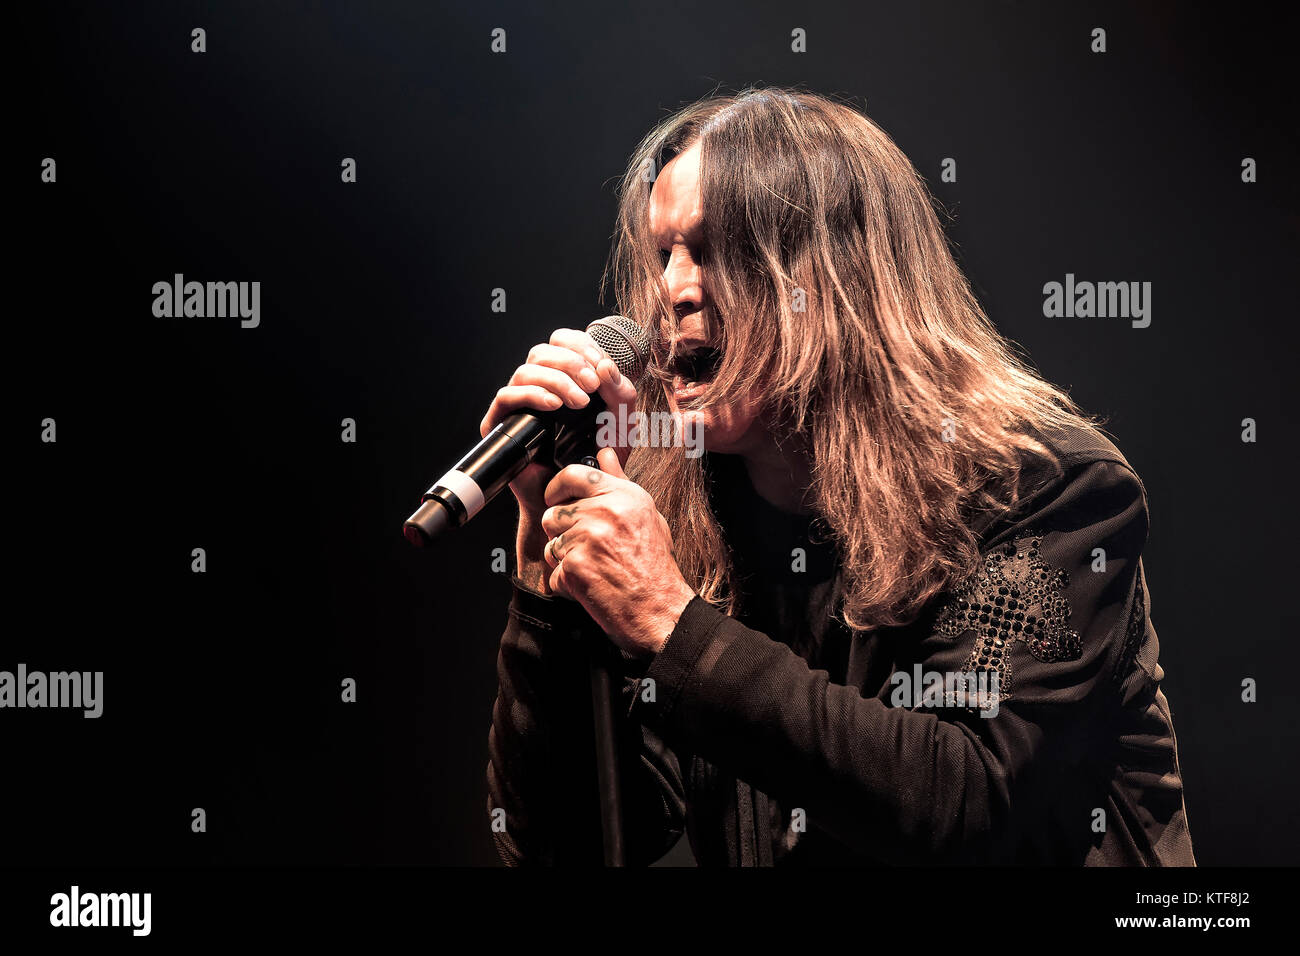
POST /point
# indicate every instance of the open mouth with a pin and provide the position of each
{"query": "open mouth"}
(692, 371)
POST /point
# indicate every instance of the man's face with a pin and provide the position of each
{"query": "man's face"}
(676, 221)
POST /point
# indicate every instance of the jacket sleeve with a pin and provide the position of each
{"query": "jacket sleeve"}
(541, 774)
(904, 783)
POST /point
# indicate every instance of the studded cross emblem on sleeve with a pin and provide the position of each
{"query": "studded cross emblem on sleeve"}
(1016, 597)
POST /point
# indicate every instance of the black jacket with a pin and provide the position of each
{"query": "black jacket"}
(781, 737)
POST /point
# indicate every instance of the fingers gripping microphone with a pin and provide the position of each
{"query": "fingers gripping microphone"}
(559, 438)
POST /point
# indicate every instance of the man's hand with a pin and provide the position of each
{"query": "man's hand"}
(610, 550)
(557, 373)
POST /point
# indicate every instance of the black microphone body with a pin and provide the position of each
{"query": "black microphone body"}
(556, 438)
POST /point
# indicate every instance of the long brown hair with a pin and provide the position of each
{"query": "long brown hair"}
(834, 296)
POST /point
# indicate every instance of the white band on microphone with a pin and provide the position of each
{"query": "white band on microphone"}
(465, 488)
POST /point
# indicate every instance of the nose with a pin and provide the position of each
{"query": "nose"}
(682, 277)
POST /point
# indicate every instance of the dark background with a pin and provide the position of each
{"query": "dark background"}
(479, 171)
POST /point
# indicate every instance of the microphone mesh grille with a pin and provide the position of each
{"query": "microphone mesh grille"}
(627, 343)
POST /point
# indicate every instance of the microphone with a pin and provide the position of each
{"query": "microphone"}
(559, 438)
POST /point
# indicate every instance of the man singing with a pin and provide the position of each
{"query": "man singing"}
(896, 612)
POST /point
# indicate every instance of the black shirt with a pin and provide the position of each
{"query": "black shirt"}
(780, 737)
